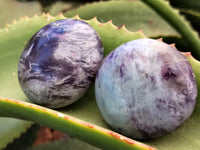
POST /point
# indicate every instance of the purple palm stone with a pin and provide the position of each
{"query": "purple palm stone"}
(145, 89)
(60, 62)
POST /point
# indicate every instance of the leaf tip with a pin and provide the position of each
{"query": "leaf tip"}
(47, 14)
(173, 45)
(95, 18)
(7, 25)
(26, 17)
(122, 26)
(77, 16)
(14, 21)
(160, 39)
(61, 15)
(36, 15)
(141, 31)
(110, 21)
(187, 54)
(49, 17)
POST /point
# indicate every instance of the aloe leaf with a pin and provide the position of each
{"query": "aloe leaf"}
(13, 39)
(90, 133)
(11, 128)
(134, 14)
(184, 135)
(192, 5)
(113, 36)
(190, 9)
(25, 140)
(11, 45)
(179, 23)
(193, 17)
(62, 6)
(13, 9)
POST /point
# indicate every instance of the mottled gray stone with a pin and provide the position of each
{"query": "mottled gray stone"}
(60, 62)
(145, 89)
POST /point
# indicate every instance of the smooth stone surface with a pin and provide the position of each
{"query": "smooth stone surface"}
(145, 89)
(60, 62)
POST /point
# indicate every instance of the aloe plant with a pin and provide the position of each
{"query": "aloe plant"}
(82, 119)
(16, 7)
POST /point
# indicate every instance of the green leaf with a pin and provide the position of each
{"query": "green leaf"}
(11, 45)
(25, 140)
(155, 18)
(193, 17)
(192, 5)
(11, 129)
(179, 23)
(12, 42)
(134, 14)
(190, 9)
(13, 9)
(61, 6)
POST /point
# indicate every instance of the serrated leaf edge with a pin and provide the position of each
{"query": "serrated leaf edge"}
(114, 136)
(17, 137)
(66, 120)
(49, 18)
(178, 21)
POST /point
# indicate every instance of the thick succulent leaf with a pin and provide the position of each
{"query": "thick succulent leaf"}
(13, 39)
(192, 5)
(193, 17)
(12, 9)
(155, 20)
(179, 23)
(190, 9)
(25, 140)
(11, 45)
(101, 137)
(61, 6)
(11, 128)
(134, 14)
(186, 137)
